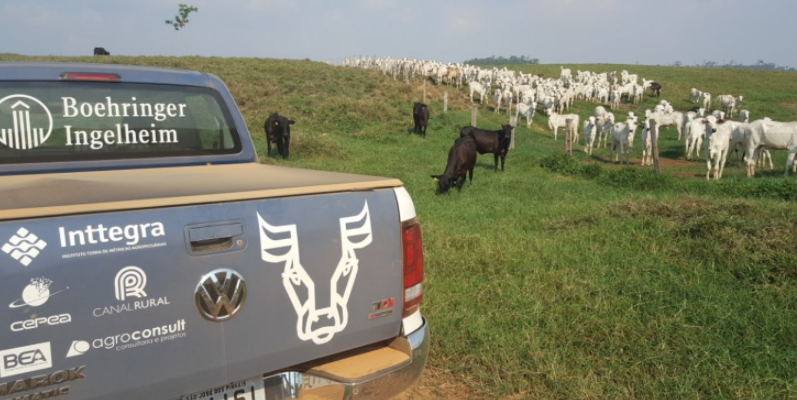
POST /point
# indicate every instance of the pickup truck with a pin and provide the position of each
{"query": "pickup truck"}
(145, 253)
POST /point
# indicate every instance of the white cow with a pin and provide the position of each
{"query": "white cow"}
(729, 103)
(717, 145)
(590, 132)
(605, 125)
(770, 135)
(694, 95)
(508, 97)
(566, 75)
(647, 144)
(738, 143)
(696, 133)
(526, 110)
(705, 100)
(548, 103)
(600, 112)
(744, 116)
(623, 139)
(556, 121)
(480, 89)
(675, 118)
(497, 97)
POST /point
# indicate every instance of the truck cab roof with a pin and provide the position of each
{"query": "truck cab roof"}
(51, 71)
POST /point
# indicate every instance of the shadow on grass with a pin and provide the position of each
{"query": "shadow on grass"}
(671, 153)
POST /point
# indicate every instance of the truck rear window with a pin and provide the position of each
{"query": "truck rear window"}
(83, 121)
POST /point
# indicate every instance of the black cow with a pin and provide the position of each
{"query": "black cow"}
(461, 159)
(420, 114)
(278, 130)
(655, 88)
(100, 51)
(496, 142)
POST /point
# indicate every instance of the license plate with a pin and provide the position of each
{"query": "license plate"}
(252, 389)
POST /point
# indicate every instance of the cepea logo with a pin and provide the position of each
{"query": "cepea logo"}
(16, 129)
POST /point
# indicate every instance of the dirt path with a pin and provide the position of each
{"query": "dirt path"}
(435, 384)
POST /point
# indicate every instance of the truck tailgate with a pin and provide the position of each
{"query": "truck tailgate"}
(152, 303)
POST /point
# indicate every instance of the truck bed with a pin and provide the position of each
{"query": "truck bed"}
(32, 196)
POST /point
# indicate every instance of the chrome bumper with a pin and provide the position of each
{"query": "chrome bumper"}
(380, 385)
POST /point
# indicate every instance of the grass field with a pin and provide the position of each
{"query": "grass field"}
(564, 278)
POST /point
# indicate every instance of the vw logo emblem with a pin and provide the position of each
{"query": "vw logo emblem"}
(220, 295)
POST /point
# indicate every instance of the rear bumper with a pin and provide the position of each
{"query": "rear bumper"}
(382, 384)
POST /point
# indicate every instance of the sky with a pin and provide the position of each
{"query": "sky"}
(554, 31)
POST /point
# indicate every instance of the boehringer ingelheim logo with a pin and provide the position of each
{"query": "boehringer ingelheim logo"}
(16, 130)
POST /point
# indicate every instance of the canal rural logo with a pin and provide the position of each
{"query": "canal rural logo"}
(16, 130)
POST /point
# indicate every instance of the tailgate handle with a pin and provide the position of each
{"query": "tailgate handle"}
(215, 238)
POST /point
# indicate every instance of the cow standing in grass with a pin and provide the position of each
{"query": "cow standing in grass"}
(278, 131)
(496, 142)
(461, 160)
(420, 115)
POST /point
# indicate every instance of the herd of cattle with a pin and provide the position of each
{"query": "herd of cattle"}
(528, 93)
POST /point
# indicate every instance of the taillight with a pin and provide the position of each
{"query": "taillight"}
(90, 76)
(412, 247)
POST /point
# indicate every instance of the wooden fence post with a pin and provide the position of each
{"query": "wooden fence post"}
(445, 102)
(568, 128)
(424, 91)
(513, 122)
(654, 137)
(474, 112)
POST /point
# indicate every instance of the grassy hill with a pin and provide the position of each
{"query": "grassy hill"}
(564, 278)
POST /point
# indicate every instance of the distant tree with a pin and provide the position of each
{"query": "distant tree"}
(732, 64)
(677, 64)
(181, 18)
(493, 60)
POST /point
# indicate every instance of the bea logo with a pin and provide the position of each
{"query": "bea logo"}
(25, 359)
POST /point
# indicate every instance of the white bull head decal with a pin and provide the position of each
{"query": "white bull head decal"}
(309, 324)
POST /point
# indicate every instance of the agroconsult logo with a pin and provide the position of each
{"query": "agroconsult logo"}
(16, 130)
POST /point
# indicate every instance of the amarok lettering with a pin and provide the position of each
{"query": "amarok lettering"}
(41, 381)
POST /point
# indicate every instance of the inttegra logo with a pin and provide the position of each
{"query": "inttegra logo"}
(139, 338)
(130, 234)
(24, 246)
(25, 359)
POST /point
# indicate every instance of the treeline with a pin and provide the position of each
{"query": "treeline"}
(760, 65)
(493, 60)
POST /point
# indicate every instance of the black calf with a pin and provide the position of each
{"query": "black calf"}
(420, 114)
(496, 142)
(461, 159)
(278, 130)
